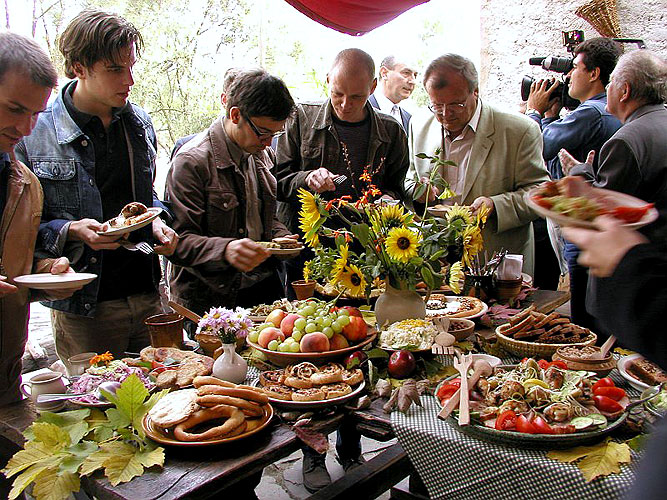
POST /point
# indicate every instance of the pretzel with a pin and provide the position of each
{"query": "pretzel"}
(247, 407)
(236, 392)
(235, 418)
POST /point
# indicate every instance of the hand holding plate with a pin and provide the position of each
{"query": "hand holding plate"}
(86, 230)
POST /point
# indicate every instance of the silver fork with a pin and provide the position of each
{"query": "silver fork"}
(142, 246)
(462, 363)
(339, 179)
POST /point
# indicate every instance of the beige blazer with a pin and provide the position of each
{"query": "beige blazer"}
(506, 161)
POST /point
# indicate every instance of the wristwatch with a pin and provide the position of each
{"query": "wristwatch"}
(530, 111)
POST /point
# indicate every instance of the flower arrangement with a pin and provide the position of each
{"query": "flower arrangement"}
(228, 324)
(382, 240)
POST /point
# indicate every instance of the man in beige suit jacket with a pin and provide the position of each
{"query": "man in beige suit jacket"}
(498, 155)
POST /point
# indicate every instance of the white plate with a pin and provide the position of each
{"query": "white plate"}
(621, 365)
(112, 231)
(311, 405)
(285, 251)
(48, 281)
(618, 199)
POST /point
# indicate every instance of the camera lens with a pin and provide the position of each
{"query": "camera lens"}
(558, 64)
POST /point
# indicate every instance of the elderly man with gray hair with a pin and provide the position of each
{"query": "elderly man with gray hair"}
(397, 81)
(497, 155)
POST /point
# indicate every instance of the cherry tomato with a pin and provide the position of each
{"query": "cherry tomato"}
(543, 363)
(559, 364)
(603, 382)
(615, 393)
(631, 214)
(541, 426)
(523, 424)
(506, 421)
(603, 403)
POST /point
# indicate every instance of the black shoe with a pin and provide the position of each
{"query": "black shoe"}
(350, 463)
(315, 474)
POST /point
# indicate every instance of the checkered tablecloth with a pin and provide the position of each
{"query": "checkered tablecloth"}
(454, 465)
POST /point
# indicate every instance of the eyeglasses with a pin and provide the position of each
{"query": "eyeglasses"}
(440, 109)
(262, 136)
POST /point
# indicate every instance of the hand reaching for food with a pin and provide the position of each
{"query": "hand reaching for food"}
(245, 254)
(567, 161)
(167, 238)
(321, 180)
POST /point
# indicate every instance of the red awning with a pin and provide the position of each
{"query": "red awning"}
(354, 17)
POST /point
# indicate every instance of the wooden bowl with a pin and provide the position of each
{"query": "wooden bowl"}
(317, 358)
(464, 328)
(602, 367)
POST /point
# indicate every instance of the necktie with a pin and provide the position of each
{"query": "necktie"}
(395, 111)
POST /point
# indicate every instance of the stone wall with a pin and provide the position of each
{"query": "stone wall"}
(514, 30)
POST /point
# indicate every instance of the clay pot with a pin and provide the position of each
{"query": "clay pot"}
(303, 289)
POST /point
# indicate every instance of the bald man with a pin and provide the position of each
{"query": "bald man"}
(310, 153)
(310, 156)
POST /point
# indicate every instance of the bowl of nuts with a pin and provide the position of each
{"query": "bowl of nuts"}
(461, 328)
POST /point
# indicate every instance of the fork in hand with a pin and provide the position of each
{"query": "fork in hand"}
(339, 179)
(142, 246)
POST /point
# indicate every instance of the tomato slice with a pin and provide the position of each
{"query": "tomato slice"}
(543, 363)
(615, 393)
(541, 426)
(603, 382)
(447, 390)
(506, 421)
(631, 214)
(523, 424)
(559, 364)
(603, 403)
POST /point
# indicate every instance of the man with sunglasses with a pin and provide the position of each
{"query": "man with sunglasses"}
(223, 197)
(497, 155)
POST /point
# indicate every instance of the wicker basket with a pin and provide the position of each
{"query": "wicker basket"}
(531, 349)
(602, 15)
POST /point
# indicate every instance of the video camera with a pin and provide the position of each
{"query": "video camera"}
(558, 64)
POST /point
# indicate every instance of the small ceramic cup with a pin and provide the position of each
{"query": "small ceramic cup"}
(45, 383)
(78, 363)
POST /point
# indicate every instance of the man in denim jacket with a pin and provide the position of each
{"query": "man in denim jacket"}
(93, 153)
(587, 128)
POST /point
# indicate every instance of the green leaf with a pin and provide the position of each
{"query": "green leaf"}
(51, 435)
(131, 396)
(117, 418)
(422, 156)
(54, 485)
(420, 191)
(638, 442)
(376, 353)
(70, 421)
(428, 278)
(93, 462)
(362, 232)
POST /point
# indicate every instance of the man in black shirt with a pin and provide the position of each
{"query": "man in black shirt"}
(93, 153)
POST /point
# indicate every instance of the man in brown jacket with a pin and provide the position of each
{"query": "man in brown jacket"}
(26, 79)
(223, 197)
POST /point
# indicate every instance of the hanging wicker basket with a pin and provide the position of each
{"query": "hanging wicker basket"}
(602, 15)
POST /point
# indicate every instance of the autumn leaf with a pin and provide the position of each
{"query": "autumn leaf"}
(600, 460)
(55, 485)
(623, 352)
(28, 476)
(73, 422)
(122, 462)
(150, 457)
(51, 435)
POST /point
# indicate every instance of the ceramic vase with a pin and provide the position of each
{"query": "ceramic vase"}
(230, 366)
(396, 304)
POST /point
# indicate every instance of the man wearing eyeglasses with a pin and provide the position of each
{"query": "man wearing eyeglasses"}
(498, 155)
(223, 197)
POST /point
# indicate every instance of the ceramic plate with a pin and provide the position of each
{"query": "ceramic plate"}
(112, 231)
(166, 436)
(618, 199)
(655, 410)
(285, 251)
(311, 405)
(318, 358)
(622, 367)
(48, 281)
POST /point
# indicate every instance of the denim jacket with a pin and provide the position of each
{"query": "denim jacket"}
(586, 128)
(62, 157)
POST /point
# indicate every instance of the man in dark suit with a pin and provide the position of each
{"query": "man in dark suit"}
(632, 161)
(397, 81)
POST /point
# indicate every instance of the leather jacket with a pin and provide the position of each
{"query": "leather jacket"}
(206, 191)
(310, 142)
(18, 232)
(62, 157)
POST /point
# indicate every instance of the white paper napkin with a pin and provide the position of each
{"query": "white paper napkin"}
(510, 268)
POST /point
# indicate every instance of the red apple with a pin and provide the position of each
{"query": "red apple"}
(401, 364)
(275, 317)
(354, 359)
(287, 324)
(353, 311)
(268, 334)
(356, 330)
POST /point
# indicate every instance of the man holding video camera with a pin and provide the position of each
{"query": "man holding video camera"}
(584, 129)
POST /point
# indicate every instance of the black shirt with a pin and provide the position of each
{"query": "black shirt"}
(355, 136)
(123, 272)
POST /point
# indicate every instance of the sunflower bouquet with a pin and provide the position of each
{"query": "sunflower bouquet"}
(380, 240)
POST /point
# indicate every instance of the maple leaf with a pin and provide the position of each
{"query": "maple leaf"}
(599, 460)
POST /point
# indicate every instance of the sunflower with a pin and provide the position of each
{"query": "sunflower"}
(402, 244)
(472, 243)
(340, 264)
(354, 280)
(482, 214)
(456, 276)
(459, 212)
(393, 215)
